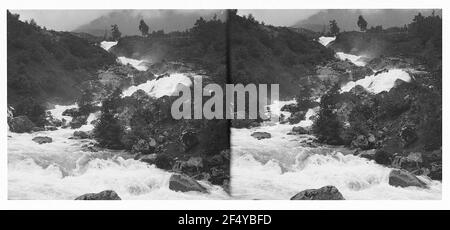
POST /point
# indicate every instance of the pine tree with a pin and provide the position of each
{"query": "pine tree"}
(116, 34)
(362, 23)
(143, 27)
(334, 28)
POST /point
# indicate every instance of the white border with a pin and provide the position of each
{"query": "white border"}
(223, 204)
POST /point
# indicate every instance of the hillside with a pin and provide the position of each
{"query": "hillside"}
(268, 54)
(47, 65)
(128, 21)
(347, 18)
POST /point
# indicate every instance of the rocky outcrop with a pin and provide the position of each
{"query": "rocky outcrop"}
(182, 183)
(325, 193)
(20, 124)
(104, 195)
(261, 135)
(42, 140)
(402, 178)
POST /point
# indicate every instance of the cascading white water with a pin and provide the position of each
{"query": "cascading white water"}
(283, 165)
(62, 170)
(378, 83)
(162, 86)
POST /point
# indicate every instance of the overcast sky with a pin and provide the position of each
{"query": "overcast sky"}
(71, 19)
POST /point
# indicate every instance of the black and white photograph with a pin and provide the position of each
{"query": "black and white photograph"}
(224, 104)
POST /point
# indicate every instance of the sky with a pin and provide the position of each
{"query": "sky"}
(67, 20)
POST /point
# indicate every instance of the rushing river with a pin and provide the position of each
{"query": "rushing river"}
(283, 165)
(64, 169)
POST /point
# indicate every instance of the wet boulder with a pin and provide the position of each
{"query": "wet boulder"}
(50, 128)
(20, 124)
(298, 130)
(38, 129)
(183, 183)
(189, 139)
(78, 121)
(80, 135)
(73, 112)
(296, 117)
(42, 140)
(368, 154)
(190, 167)
(104, 195)
(163, 161)
(325, 193)
(403, 178)
(261, 135)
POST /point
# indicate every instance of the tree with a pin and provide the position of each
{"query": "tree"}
(362, 23)
(334, 28)
(143, 27)
(327, 126)
(108, 130)
(116, 34)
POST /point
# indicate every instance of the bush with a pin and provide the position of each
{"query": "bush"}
(32, 109)
(108, 130)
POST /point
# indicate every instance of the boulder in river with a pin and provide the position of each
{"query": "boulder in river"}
(182, 183)
(261, 135)
(42, 140)
(79, 121)
(403, 178)
(80, 135)
(104, 195)
(20, 124)
(325, 193)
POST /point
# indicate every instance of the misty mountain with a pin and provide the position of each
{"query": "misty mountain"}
(347, 18)
(128, 20)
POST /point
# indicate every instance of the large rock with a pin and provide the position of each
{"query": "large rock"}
(73, 112)
(80, 135)
(298, 130)
(20, 124)
(182, 183)
(42, 140)
(189, 139)
(104, 195)
(79, 121)
(325, 193)
(261, 135)
(402, 178)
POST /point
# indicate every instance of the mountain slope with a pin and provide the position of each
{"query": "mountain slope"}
(347, 18)
(47, 65)
(128, 21)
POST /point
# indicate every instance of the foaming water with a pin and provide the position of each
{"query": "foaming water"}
(352, 58)
(106, 45)
(378, 83)
(62, 170)
(283, 165)
(162, 86)
(137, 64)
(326, 40)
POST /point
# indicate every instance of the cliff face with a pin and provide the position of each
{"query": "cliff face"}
(47, 65)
